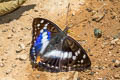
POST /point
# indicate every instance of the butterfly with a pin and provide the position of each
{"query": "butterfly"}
(53, 50)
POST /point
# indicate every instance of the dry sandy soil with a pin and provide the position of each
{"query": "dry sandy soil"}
(84, 16)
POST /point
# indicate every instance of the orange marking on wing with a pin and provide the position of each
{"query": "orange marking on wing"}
(38, 59)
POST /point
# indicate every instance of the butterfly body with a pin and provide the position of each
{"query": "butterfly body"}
(53, 50)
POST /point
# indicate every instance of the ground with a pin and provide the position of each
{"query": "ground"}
(83, 17)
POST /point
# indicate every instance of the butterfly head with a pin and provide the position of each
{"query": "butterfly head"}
(66, 30)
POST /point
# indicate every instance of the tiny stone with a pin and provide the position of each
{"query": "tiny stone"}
(102, 46)
(14, 65)
(98, 17)
(97, 33)
(89, 50)
(8, 71)
(113, 60)
(118, 42)
(9, 36)
(92, 73)
(114, 41)
(2, 65)
(99, 78)
(105, 43)
(109, 52)
(73, 13)
(117, 76)
(89, 9)
(5, 30)
(18, 50)
(37, 76)
(22, 46)
(75, 76)
(117, 63)
(13, 30)
(22, 57)
(28, 28)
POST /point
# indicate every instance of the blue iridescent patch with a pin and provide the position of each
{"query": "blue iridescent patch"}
(38, 43)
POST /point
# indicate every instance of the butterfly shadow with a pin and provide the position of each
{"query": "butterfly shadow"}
(15, 14)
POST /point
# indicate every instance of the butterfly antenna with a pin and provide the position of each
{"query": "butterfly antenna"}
(68, 9)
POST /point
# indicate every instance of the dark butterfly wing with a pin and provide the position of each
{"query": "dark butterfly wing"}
(42, 28)
(70, 56)
(59, 51)
(79, 59)
(40, 23)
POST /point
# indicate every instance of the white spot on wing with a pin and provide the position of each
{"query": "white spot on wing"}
(54, 54)
(70, 55)
(74, 57)
(76, 53)
(46, 24)
(38, 25)
(45, 27)
(33, 48)
(44, 63)
(84, 56)
(52, 66)
(69, 68)
(65, 55)
(42, 21)
(41, 31)
(56, 67)
(34, 41)
(81, 61)
(48, 65)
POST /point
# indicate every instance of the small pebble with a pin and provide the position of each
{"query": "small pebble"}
(113, 42)
(98, 17)
(92, 73)
(38, 76)
(117, 76)
(22, 57)
(13, 30)
(2, 65)
(102, 46)
(75, 76)
(117, 64)
(89, 9)
(73, 13)
(18, 50)
(10, 36)
(8, 71)
(14, 65)
(113, 60)
(97, 33)
(99, 78)
(109, 52)
(22, 46)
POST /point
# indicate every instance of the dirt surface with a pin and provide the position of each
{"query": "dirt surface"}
(84, 16)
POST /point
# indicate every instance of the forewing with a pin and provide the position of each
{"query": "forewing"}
(43, 31)
(40, 23)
